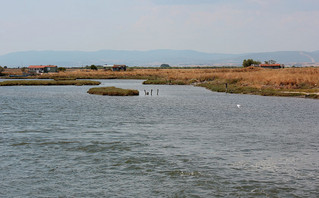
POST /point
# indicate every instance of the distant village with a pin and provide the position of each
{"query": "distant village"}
(38, 69)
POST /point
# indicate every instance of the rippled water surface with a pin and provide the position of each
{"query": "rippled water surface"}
(185, 142)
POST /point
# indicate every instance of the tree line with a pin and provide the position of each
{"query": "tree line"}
(250, 62)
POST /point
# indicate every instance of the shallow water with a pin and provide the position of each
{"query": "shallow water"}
(184, 142)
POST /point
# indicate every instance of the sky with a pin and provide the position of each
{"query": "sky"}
(213, 26)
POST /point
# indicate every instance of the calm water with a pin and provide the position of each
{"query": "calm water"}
(185, 142)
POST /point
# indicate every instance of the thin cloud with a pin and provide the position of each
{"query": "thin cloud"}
(204, 25)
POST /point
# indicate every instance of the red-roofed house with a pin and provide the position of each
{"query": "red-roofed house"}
(43, 68)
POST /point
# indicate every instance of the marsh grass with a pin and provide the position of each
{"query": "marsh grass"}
(288, 78)
(48, 82)
(113, 91)
(239, 89)
(63, 78)
(252, 80)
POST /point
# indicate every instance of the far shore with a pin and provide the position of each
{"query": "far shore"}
(48, 82)
(290, 82)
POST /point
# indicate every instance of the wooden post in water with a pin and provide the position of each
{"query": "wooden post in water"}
(157, 91)
(151, 92)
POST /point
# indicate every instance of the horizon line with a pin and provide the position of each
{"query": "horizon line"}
(88, 51)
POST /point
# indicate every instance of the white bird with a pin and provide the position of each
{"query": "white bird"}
(238, 105)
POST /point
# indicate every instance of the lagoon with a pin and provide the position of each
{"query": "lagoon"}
(59, 141)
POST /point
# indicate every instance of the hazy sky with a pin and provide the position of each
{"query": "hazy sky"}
(221, 26)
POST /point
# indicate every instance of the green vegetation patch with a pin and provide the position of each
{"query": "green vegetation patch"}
(113, 91)
(48, 82)
(239, 89)
(63, 78)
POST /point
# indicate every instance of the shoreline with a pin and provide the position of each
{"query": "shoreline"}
(37, 82)
(288, 82)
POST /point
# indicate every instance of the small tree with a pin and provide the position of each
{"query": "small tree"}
(165, 66)
(249, 62)
(23, 69)
(93, 67)
(270, 62)
(61, 69)
(1, 70)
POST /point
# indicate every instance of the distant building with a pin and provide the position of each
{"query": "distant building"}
(119, 67)
(43, 68)
(272, 66)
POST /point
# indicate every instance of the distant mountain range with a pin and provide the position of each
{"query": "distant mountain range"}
(152, 58)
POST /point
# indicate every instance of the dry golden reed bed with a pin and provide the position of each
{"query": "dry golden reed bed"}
(113, 91)
(288, 79)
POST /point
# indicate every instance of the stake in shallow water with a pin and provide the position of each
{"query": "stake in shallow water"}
(148, 93)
